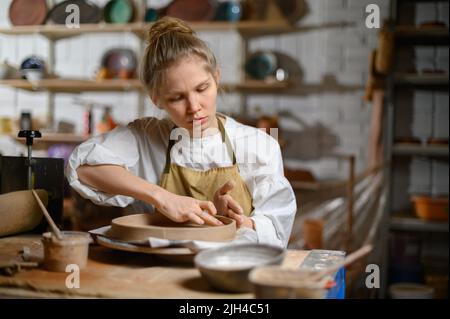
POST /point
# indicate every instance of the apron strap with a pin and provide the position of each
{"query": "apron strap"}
(225, 140)
(169, 148)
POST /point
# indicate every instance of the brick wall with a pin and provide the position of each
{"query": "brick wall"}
(331, 115)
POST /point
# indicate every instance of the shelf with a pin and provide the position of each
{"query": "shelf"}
(416, 224)
(76, 86)
(412, 149)
(417, 35)
(421, 79)
(57, 32)
(57, 138)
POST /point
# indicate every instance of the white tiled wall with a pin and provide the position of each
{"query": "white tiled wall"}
(325, 52)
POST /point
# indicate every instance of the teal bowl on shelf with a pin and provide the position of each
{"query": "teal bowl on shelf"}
(261, 65)
(230, 11)
(118, 11)
(151, 15)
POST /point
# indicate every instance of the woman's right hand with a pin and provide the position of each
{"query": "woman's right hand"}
(183, 208)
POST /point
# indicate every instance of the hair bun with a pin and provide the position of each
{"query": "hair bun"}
(167, 25)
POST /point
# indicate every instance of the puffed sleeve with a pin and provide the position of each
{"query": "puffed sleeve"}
(118, 147)
(273, 199)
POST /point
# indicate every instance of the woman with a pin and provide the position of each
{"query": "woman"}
(195, 164)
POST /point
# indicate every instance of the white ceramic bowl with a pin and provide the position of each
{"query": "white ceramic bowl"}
(33, 74)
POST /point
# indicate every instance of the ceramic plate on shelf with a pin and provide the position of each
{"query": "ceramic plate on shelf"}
(293, 10)
(25, 12)
(89, 12)
(118, 11)
(119, 59)
(261, 65)
(192, 10)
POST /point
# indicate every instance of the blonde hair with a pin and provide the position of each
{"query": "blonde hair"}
(168, 40)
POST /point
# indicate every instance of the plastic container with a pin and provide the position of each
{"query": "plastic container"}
(274, 282)
(72, 249)
(430, 208)
(410, 291)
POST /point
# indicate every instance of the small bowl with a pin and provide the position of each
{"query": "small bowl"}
(227, 268)
(33, 62)
(261, 65)
(33, 74)
(230, 11)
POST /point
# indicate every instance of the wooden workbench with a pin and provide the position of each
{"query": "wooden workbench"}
(113, 274)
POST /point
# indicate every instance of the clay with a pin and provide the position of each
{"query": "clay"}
(19, 211)
(72, 249)
(142, 226)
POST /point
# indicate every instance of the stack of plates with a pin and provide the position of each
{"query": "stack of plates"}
(420, 176)
(422, 115)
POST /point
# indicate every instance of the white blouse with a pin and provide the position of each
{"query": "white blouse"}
(141, 148)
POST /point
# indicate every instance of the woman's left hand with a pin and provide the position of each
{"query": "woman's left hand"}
(227, 206)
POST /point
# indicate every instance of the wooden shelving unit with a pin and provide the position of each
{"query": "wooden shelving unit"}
(274, 23)
(58, 32)
(417, 35)
(404, 220)
(415, 224)
(426, 150)
(76, 86)
(424, 79)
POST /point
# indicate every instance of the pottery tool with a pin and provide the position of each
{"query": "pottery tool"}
(52, 224)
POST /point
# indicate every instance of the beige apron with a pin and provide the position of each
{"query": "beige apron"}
(202, 185)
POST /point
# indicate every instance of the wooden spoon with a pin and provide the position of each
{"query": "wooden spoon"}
(53, 226)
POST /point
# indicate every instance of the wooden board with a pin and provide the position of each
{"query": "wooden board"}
(115, 274)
